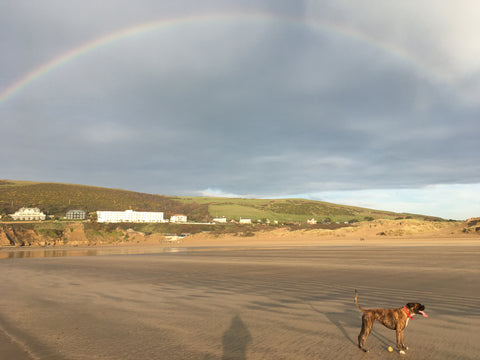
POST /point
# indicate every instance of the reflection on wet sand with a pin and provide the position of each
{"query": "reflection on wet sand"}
(44, 253)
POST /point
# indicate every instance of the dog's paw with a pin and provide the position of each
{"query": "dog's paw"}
(402, 352)
(362, 348)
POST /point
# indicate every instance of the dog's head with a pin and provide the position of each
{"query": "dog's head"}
(416, 308)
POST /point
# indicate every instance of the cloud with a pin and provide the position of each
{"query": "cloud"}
(219, 193)
(438, 37)
(244, 103)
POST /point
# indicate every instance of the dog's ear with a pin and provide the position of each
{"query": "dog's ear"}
(411, 306)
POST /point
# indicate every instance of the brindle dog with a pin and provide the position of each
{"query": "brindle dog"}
(395, 319)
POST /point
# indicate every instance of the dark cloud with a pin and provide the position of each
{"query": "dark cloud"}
(246, 106)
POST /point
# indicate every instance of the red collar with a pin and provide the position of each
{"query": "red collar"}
(408, 314)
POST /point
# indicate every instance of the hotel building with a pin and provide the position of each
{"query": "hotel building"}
(129, 216)
(28, 214)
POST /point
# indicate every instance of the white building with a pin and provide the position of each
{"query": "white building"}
(28, 214)
(129, 216)
(220, 219)
(245, 221)
(76, 215)
(178, 218)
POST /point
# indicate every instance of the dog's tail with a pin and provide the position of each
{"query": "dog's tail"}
(356, 302)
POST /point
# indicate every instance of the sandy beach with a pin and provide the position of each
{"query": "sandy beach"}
(271, 297)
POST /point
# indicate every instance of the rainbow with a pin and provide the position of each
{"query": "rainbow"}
(128, 32)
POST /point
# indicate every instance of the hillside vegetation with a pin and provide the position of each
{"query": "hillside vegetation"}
(290, 210)
(56, 199)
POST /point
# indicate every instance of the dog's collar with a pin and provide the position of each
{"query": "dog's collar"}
(408, 313)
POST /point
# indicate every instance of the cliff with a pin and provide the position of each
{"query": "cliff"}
(73, 234)
(92, 234)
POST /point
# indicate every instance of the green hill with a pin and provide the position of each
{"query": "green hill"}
(289, 210)
(56, 199)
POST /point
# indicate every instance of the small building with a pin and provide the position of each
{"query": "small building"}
(178, 218)
(311, 221)
(28, 214)
(76, 215)
(221, 220)
(245, 221)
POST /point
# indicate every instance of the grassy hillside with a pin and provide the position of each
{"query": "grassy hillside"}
(286, 210)
(56, 199)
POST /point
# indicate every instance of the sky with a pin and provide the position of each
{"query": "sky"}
(372, 103)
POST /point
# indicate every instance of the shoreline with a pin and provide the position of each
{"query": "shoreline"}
(282, 238)
(234, 243)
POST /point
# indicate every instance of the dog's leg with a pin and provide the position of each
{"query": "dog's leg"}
(367, 324)
(400, 340)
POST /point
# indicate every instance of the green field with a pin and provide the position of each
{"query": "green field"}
(288, 210)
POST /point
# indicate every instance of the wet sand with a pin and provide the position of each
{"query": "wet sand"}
(268, 301)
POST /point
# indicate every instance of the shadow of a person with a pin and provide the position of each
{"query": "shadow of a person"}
(235, 340)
